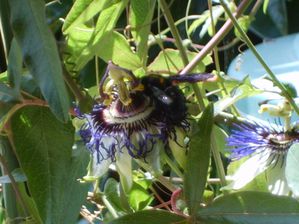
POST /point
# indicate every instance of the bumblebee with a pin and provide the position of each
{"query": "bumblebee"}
(167, 96)
(133, 95)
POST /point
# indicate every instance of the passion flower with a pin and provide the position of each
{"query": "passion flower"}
(134, 117)
(267, 148)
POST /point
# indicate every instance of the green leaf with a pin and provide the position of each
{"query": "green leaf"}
(34, 215)
(139, 196)
(170, 60)
(83, 11)
(15, 64)
(44, 148)
(3, 77)
(251, 208)
(111, 192)
(105, 24)
(243, 90)
(244, 22)
(265, 6)
(196, 23)
(141, 15)
(220, 136)
(40, 53)
(115, 47)
(198, 161)
(149, 217)
(178, 148)
(76, 41)
(291, 173)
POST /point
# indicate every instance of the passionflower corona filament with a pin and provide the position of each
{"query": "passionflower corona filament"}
(267, 148)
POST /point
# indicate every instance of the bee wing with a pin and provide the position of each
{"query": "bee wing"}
(191, 78)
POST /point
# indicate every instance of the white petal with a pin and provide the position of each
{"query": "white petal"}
(98, 169)
(124, 169)
(251, 168)
(277, 183)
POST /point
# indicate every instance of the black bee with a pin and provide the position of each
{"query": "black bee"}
(168, 99)
(167, 96)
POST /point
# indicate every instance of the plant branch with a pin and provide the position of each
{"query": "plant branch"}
(228, 25)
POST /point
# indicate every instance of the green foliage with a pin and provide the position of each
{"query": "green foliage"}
(198, 161)
(251, 207)
(140, 20)
(169, 60)
(51, 56)
(40, 53)
(45, 155)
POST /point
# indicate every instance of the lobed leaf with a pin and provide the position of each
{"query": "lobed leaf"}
(105, 24)
(83, 11)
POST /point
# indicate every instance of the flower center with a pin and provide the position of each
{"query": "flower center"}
(280, 142)
(139, 108)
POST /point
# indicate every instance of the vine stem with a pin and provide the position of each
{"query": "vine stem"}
(259, 57)
(14, 186)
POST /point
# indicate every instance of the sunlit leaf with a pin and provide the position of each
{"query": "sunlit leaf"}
(170, 60)
(82, 11)
(139, 197)
(105, 24)
(140, 20)
(115, 47)
(243, 90)
(244, 22)
(265, 6)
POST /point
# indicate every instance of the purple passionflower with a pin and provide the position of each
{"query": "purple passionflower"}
(266, 148)
(134, 118)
